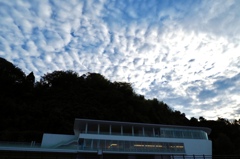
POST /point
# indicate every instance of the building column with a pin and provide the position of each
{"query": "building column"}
(86, 128)
(161, 134)
(132, 131)
(98, 129)
(110, 129)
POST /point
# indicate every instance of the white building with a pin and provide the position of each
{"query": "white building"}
(125, 140)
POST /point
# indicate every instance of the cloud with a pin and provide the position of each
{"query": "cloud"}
(184, 53)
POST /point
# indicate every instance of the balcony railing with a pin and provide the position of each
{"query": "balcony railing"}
(20, 144)
(168, 133)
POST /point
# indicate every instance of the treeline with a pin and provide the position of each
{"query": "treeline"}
(28, 108)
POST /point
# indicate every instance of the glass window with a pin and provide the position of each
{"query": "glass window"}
(163, 147)
(148, 131)
(178, 134)
(205, 136)
(157, 132)
(95, 144)
(92, 128)
(116, 129)
(104, 129)
(196, 135)
(112, 145)
(168, 133)
(187, 134)
(133, 146)
(138, 131)
(102, 144)
(127, 130)
(88, 143)
(128, 146)
(175, 147)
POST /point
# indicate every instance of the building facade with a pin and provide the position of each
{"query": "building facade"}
(112, 139)
(99, 139)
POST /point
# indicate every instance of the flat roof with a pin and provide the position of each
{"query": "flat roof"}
(81, 123)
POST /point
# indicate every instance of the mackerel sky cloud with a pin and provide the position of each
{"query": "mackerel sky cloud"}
(185, 53)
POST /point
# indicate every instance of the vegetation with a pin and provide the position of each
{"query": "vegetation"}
(29, 108)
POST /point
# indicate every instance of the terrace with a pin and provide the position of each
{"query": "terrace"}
(85, 126)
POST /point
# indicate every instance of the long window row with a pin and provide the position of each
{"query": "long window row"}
(144, 131)
(131, 146)
(187, 134)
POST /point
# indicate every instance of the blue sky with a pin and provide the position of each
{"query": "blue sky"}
(185, 53)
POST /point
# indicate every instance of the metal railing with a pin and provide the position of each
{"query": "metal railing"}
(38, 146)
(165, 133)
(27, 155)
(205, 157)
(32, 144)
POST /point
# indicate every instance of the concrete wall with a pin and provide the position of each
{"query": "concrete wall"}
(52, 140)
(198, 147)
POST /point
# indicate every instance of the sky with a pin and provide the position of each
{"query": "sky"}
(185, 53)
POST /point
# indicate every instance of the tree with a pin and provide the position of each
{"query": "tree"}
(11, 78)
(124, 87)
(59, 79)
(193, 120)
(202, 119)
(223, 145)
(30, 79)
(96, 81)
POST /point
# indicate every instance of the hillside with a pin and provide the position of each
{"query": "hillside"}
(29, 108)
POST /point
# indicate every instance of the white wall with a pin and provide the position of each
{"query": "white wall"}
(198, 147)
(50, 140)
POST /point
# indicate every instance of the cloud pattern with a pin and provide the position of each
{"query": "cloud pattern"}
(185, 53)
